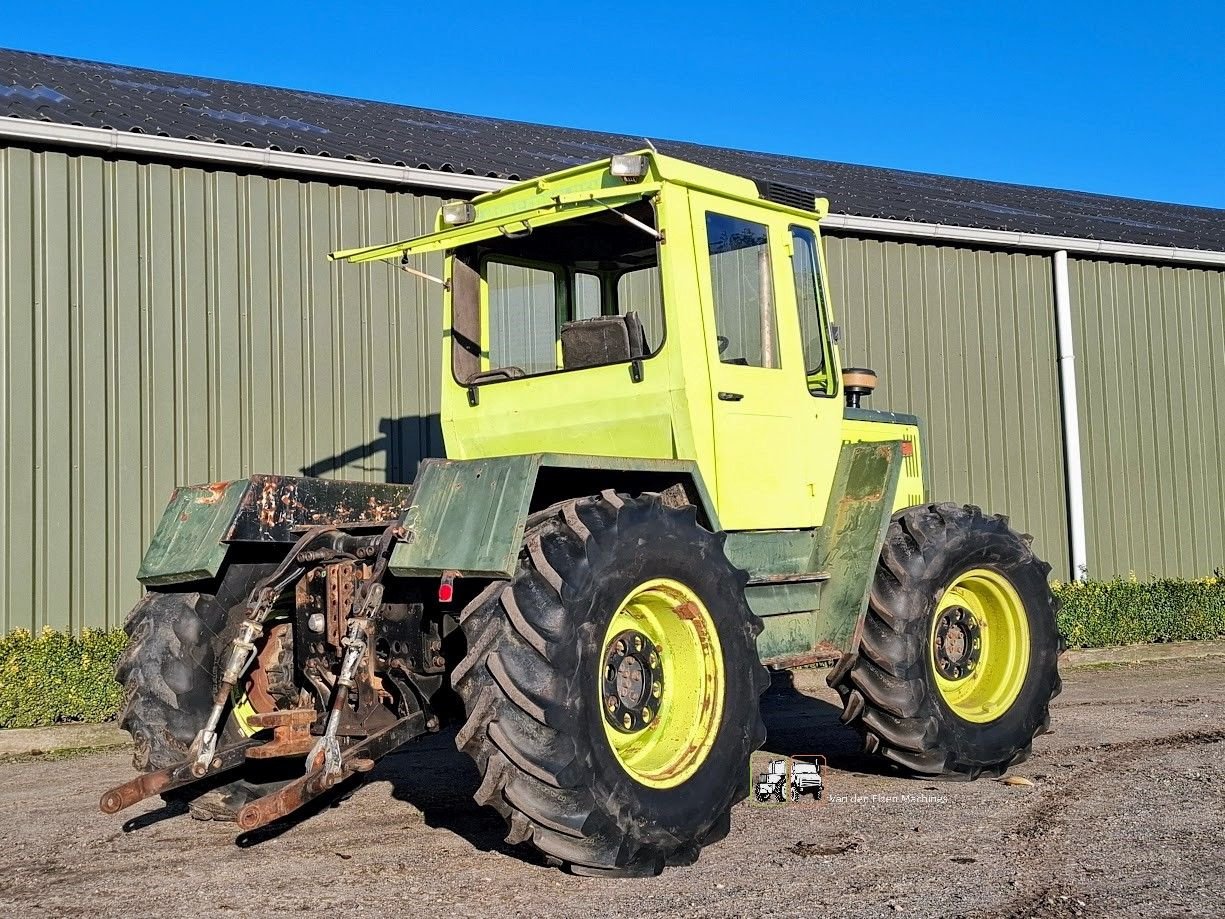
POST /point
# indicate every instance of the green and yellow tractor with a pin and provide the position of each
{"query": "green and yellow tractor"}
(659, 485)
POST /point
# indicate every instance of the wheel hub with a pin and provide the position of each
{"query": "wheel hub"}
(633, 681)
(958, 643)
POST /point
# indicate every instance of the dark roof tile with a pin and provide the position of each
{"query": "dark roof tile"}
(67, 91)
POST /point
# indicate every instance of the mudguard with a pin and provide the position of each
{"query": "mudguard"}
(201, 521)
(461, 516)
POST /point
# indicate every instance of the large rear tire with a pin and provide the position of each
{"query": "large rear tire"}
(957, 664)
(612, 687)
(168, 673)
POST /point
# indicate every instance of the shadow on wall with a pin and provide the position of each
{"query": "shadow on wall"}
(404, 442)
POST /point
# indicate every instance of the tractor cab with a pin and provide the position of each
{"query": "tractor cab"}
(649, 308)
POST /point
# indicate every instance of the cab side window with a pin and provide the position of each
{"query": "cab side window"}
(742, 283)
(806, 270)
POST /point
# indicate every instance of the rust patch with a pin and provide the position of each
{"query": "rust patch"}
(688, 611)
(824, 652)
(212, 493)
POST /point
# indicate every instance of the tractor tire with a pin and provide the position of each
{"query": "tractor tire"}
(957, 663)
(168, 673)
(542, 650)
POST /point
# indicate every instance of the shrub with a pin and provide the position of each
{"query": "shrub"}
(55, 676)
(1124, 611)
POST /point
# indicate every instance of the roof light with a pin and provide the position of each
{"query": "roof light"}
(631, 167)
(457, 213)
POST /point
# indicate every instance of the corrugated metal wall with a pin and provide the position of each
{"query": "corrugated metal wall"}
(162, 324)
(964, 338)
(1150, 342)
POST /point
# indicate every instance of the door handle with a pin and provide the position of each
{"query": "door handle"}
(730, 396)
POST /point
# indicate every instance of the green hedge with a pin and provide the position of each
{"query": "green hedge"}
(54, 677)
(1125, 611)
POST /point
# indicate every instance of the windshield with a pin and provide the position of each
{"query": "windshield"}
(568, 296)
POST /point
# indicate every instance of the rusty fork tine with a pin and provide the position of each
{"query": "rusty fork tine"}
(172, 777)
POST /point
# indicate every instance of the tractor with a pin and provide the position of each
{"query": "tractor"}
(772, 784)
(659, 484)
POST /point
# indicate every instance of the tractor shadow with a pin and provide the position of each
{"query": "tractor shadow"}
(439, 780)
(799, 724)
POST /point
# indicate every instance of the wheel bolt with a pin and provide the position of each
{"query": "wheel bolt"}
(611, 703)
(656, 689)
(647, 715)
(654, 659)
(627, 720)
(637, 642)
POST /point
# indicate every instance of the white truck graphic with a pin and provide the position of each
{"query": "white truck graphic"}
(773, 784)
(806, 780)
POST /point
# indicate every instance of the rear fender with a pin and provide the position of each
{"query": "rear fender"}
(202, 522)
(469, 516)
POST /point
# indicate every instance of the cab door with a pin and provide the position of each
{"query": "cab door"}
(765, 435)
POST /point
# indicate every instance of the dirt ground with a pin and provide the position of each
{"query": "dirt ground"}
(1125, 817)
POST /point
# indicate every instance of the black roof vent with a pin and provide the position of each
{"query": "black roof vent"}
(786, 194)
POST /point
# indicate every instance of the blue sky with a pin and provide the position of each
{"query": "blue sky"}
(1120, 98)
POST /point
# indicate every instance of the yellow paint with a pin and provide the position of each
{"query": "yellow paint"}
(911, 490)
(994, 684)
(768, 459)
(673, 746)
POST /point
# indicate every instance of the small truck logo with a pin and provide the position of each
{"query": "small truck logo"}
(788, 780)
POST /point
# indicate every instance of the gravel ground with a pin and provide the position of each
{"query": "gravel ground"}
(1125, 817)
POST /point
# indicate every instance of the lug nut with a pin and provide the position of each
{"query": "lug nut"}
(627, 721)
(611, 704)
(656, 689)
(654, 659)
(316, 622)
(647, 715)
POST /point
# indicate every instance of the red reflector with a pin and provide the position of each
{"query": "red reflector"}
(907, 448)
(446, 592)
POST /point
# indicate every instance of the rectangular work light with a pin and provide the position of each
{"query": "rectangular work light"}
(457, 213)
(629, 166)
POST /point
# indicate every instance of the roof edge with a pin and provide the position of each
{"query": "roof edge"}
(203, 151)
(200, 151)
(880, 226)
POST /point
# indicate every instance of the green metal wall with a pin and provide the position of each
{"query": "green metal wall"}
(162, 324)
(1150, 342)
(964, 338)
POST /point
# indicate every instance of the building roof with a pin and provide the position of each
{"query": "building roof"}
(74, 92)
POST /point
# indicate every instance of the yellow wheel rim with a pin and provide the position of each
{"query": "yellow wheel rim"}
(979, 645)
(661, 683)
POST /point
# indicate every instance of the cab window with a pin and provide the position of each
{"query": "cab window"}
(566, 296)
(742, 285)
(806, 270)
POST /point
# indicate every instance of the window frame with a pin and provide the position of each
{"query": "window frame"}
(772, 269)
(827, 344)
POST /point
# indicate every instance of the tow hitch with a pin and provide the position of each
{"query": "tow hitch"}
(326, 763)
